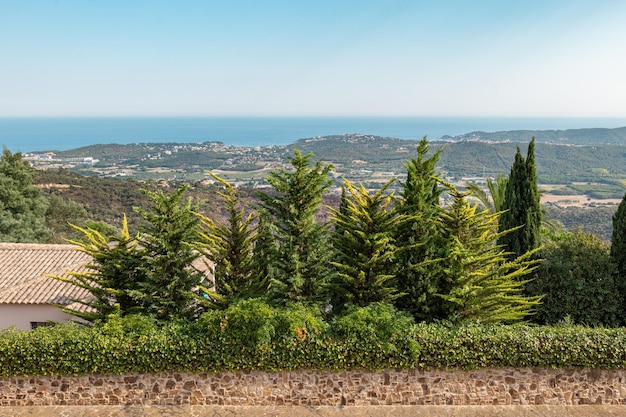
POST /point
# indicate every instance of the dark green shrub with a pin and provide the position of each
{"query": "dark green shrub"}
(576, 280)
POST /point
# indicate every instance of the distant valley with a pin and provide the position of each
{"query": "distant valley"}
(576, 168)
(363, 158)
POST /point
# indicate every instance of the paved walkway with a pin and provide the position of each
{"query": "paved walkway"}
(371, 411)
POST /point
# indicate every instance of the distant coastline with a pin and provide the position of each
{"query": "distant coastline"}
(63, 133)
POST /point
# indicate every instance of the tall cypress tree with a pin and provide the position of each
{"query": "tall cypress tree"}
(618, 254)
(618, 239)
(300, 269)
(418, 237)
(521, 206)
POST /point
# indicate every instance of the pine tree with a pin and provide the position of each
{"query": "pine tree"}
(230, 247)
(168, 256)
(521, 209)
(484, 285)
(365, 250)
(114, 277)
(265, 250)
(22, 205)
(300, 269)
(418, 237)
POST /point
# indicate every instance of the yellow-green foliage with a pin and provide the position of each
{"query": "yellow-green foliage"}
(483, 284)
(365, 249)
(113, 275)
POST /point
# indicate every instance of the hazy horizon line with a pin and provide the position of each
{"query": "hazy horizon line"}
(270, 116)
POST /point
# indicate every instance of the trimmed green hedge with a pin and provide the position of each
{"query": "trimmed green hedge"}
(294, 339)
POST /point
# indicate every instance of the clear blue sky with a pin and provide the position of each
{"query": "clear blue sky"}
(388, 57)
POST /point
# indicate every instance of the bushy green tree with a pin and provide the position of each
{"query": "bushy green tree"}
(154, 272)
(418, 237)
(230, 247)
(485, 286)
(365, 249)
(376, 331)
(22, 205)
(577, 282)
(300, 269)
(113, 277)
(248, 324)
(521, 207)
(171, 228)
(60, 215)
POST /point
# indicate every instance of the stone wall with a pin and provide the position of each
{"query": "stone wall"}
(316, 388)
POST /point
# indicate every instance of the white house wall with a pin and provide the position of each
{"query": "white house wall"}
(21, 315)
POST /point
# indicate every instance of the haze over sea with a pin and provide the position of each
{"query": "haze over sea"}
(41, 134)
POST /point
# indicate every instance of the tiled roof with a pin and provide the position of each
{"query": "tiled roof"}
(24, 270)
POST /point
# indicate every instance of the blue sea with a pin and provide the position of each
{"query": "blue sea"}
(41, 134)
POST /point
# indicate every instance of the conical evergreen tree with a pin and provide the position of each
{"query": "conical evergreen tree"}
(418, 237)
(230, 247)
(168, 256)
(618, 254)
(521, 209)
(151, 273)
(114, 277)
(344, 203)
(618, 239)
(365, 250)
(265, 251)
(300, 269)
(485, 286)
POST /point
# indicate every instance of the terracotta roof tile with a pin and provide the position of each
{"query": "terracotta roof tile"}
(24, 270)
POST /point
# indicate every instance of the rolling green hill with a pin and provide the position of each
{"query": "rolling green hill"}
(592, 136)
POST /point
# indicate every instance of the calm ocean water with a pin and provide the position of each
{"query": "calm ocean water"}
(39, 134)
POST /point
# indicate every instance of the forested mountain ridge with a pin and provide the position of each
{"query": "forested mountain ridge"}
(588, 136)
(561, 164)
(555, 163)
